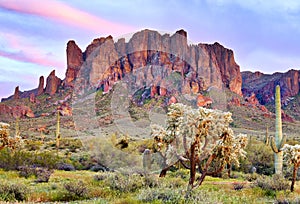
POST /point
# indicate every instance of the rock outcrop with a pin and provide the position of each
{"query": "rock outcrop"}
(17, 93)
(40, 89)
(19, 111)
(263, 85)
(53, 82)
(203, 101)
(74, 62)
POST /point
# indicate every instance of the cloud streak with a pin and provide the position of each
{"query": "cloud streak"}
(63, 13)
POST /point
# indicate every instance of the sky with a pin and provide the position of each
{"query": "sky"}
(264, 34)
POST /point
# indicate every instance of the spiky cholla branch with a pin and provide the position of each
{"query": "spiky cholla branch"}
(292, 157)
(197, 137)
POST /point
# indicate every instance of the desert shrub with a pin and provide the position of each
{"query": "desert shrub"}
(102, 176)
(71, 144)
(287, 200)
(166, 195)
(26, 171)
(238, 186)
(125, 183)
(273, 183)
(152, 182)
(251, 177)
(32, 145)
(82, 161)
(12, 160)
(41, 174)
(76, 189)
(99, 167)
(13, 192)
(65, 167)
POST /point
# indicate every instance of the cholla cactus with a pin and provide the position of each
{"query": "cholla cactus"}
(196, 137)
(292, 157)
(6, 140)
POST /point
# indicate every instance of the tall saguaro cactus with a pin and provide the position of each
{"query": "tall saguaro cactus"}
(278, 142)
(57, 129)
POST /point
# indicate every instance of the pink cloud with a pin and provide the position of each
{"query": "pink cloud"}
(66, 14)
(20, 50)
(26, 57)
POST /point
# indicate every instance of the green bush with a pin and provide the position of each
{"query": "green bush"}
(12, 160)
(259, 156)
(13, 192)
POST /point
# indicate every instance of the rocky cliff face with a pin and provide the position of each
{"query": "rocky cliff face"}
(263, 85)
(153, 58)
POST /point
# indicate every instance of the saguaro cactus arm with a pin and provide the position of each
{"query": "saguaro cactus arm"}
(277, 148)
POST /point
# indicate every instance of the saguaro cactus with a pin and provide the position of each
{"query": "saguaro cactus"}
(278, 142)
(147, 161)
(57, 129)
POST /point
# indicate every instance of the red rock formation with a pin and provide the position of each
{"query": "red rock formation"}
(252, 99)
(200, 66)
(17, 93)
(32, 98)
(16, 111)
(172, 100)
(53, 82)
(235, 101)
(153, 91)
(41, 86)
(203, 101)
(74, 62)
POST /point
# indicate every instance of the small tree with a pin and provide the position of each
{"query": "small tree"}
(292, 157)
(196, 138)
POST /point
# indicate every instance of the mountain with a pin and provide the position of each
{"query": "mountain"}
(263, 85)
(154, 65)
